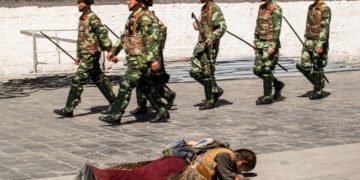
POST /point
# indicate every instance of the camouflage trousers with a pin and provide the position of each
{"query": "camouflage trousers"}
(163, 91)
(135, 77)
(264, 66)
(89, 67)
(203, 71)
(312, 64)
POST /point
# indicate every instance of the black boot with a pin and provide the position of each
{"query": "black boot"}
(306, 72)
(161, 117)
(63, 112)
(264, 101)
(139, 110)
(206, 106)
(318, 86)
(316, 96)
(267, 98)
(219, 93)
(209, 95)
(170, 101)
(109, 119)
(278, 86)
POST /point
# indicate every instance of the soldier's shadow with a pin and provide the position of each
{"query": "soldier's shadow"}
(92, 110)
(310, 93)
(221, 102)
(142, 118)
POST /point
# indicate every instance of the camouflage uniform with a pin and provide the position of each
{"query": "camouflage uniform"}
(164, 91)
(92, 39)
(141, 44)
(316, 36)
(202, 70)
(267, 35)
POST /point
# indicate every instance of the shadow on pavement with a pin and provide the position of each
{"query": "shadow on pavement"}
(221, 102)
(310, 93)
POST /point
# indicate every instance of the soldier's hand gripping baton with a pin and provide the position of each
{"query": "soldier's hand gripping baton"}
(203, 38)
(47, 37)
(241, 39)
(311, 53)
(107, 27)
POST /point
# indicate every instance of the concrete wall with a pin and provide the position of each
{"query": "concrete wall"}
(16, 50)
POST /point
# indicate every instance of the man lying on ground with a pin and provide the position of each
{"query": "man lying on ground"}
(207, 159)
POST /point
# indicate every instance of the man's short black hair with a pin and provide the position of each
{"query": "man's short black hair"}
(246, 155)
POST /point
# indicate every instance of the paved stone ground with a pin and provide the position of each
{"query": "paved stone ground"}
(35, 143)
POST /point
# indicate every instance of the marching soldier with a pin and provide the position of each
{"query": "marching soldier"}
(267, 43)
(165, 92)
(141, 44)
(92, 39)
(316, 46)
(203, 61)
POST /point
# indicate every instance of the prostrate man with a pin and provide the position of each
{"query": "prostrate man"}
(267, 43)
(209, 159)
(141, 44)
(316, 46)
(92, 39)
(203, 60)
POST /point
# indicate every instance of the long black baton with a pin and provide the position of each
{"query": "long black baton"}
(47, 37)
(302, 42)
(241, 39)
(107, 27)
(297, 35)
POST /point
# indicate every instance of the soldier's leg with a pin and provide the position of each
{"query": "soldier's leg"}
(209, 83)
(319, 80)
(263, 68)
(101, 81)
(141, 103)
(153, 95)
(305, 66)
(196, 71)
(258, 66)
(218, 90)
(278, 85)
(74, 97)
(122, 100)
(167, 94)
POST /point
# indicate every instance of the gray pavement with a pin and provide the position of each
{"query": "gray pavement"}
(35, 143)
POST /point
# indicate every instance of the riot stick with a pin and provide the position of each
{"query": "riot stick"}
(241, 39)
(47, 37)
(302, 42)
(107, 27)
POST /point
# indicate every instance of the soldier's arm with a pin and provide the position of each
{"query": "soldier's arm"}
(277, 22)
(218, 22)
(256, 36)
(117, 47)
(150, 31)
(101, 32)
(325, 28)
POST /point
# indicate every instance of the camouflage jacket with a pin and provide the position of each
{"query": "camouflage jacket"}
(213, 21)
(141, 39)
(268, 25)
(318, 23)
(92, 35)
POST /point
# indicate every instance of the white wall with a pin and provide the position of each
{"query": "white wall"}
(16, 51)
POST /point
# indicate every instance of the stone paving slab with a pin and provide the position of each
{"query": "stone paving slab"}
(330, 163)
(35, 143)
